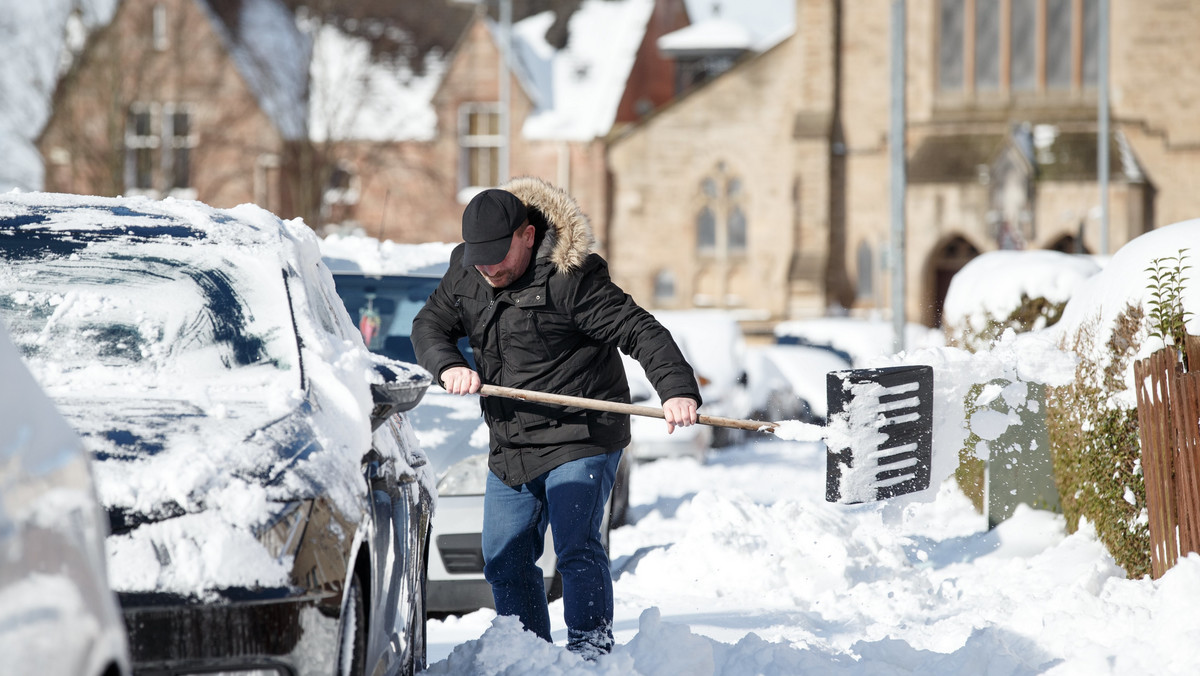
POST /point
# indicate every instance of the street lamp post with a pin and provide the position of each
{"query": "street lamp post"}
(899, 177)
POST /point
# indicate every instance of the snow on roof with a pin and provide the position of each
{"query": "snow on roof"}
(358, 253)
(30, 55)
(769, 22)
(578, 88)
(991, 285)
(272, 55)
(710, 35)
(354, 97)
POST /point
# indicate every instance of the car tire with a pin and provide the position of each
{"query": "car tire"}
(352, 634)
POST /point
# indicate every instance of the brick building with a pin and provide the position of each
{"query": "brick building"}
(196, 99)
(174, 99)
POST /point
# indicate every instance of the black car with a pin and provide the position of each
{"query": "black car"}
(268, 503)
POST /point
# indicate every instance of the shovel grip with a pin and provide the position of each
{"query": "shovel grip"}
(616, 407)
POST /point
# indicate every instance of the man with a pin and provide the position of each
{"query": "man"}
(542, 314)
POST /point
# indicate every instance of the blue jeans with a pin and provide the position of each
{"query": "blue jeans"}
(570, 499)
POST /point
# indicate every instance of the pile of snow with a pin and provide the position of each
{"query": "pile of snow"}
(1125, 280)
(356, 253)
(994, 284)
(356, 97)
(863, 339)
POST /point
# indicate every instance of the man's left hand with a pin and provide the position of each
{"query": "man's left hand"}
(680, 412)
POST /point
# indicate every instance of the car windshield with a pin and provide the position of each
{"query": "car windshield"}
(166, 319)
(383, 308)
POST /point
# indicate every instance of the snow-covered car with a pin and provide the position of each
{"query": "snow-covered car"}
(455, 437)
(787, 381)
(713, 344)
(269, 505)
(58, 616)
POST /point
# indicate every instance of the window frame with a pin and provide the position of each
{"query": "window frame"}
(153, 158)
(473, 147)
(1079, 52)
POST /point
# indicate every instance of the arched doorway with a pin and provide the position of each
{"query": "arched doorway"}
(947, 260)
(1068, 244)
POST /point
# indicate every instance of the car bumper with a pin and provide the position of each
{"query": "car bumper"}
(270, 630)
(651, 441)
(456, 583)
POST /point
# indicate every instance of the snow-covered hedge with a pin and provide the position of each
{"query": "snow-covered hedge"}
(1021, 290)
(1093, 422)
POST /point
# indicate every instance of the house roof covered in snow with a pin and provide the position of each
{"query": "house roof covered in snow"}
(713, 35)
(272, 55)
(576, 89)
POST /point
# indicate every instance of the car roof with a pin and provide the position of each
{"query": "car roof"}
(82, 219)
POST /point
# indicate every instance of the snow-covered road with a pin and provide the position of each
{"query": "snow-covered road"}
(738, 567)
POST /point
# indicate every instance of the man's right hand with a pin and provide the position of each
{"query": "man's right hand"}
(461, 380)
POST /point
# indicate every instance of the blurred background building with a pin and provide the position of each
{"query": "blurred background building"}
(730, 154)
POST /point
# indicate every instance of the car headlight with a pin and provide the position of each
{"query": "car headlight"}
(465, 477)
(316, 536)
(281, 533)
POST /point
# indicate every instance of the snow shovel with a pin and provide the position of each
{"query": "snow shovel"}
(879, 435)
(617, 407)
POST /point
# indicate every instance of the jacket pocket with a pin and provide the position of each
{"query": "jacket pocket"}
(546, 424)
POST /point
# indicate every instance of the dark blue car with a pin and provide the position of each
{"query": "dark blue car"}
(268, 504)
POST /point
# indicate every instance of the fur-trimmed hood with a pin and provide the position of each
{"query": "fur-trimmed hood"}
(568, 239)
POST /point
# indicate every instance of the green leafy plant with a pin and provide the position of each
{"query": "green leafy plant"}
(1094, 443)
(1167, 315)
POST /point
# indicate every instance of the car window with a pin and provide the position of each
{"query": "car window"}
(383, 309)
(166, 316)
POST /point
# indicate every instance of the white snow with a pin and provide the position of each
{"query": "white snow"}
(715, 33)
(33, 49)
(973, 298)
(207, 467)
(579, 87)
(768, 22)
(356, 98)
(738, 566)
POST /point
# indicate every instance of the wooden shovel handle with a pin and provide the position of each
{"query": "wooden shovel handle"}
(617, 407)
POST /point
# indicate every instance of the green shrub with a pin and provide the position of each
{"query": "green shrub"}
(1095, 448)
(1031, 314)
(1167, 316)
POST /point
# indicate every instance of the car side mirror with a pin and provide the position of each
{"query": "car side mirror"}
(398, 388)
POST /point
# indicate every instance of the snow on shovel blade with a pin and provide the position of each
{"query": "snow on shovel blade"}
(879, 433)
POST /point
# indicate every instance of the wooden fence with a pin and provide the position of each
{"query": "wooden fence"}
(1168, 402)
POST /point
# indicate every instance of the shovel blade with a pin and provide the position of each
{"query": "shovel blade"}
(885, 448)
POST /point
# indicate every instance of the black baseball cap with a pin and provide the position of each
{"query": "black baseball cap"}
(488, 224)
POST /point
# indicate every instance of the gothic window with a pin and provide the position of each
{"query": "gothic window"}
(664, 288)
(721, 227)
(706, 230)
(866, 272)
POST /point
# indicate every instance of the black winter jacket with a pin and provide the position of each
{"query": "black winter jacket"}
(556, 329)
